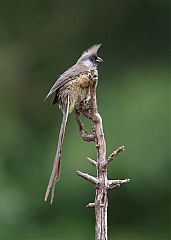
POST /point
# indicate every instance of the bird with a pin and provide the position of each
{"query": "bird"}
(70, 89)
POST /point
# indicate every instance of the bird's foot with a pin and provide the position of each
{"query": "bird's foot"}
(85, 106)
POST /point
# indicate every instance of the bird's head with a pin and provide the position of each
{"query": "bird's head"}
(89, 58)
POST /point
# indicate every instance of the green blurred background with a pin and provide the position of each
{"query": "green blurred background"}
(38, 41)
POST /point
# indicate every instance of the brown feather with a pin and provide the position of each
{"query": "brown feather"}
(67, 76)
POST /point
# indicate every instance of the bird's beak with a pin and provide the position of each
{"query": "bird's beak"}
(99, 59)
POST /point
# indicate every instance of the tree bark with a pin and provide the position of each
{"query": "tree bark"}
(102, 162)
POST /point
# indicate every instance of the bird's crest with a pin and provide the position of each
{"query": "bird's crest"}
(92, 50)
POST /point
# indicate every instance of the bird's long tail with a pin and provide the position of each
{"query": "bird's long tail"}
(57, 162)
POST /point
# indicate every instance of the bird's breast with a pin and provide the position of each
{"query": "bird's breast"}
(82, 88)
(77, 89)
(83, 81)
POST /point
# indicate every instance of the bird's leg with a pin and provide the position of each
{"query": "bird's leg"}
(77, 110)
(86, 105)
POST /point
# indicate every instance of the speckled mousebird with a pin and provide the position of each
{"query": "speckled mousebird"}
(70, 89)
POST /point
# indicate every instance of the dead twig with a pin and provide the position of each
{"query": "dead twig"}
(115, 153)
(85, 136)
(101, 182)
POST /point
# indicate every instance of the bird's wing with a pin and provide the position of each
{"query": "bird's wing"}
(67, 76)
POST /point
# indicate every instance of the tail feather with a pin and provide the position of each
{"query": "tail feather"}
(57, 162)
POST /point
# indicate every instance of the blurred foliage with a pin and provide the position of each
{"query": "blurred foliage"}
(39, 40)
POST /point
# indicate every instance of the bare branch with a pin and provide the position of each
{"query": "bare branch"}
(86, 111)
(90, 205)
(116, 183)
(85, 136)
(93, 162)
(88, 177)
(102, 183)
(115, 153)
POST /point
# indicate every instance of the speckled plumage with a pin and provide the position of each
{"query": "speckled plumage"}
(71, 88)
(77, 90)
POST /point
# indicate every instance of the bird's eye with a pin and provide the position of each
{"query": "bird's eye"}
(93, 58)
